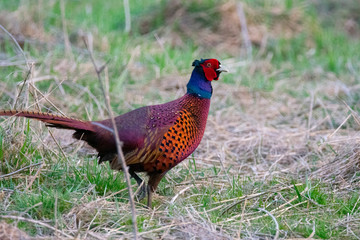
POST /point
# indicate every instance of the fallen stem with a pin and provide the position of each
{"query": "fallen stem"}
(36, 222)
(19, 170)
(117, 140)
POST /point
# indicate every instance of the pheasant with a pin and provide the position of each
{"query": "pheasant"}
(154, 138)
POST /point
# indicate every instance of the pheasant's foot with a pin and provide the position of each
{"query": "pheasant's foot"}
(141, 193)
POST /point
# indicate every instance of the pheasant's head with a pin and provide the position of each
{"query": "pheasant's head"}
(204, 72)
(211, 67)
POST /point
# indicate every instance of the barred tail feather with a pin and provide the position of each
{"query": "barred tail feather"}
(52, 120)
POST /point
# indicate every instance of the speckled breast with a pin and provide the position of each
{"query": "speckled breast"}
(184, 136)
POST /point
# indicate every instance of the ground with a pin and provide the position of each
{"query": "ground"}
(280, 154)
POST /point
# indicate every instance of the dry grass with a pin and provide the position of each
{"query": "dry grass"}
(9, 232)
(264, 153)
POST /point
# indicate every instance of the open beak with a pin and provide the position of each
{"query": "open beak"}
(222, 69)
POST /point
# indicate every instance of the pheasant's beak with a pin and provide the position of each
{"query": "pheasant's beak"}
(222, 69)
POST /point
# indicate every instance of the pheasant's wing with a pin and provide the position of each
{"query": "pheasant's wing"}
(131, 127)
(140, 132)
(157, 124)
(169, 140)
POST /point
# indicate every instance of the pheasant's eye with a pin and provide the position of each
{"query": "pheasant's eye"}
(208, 64)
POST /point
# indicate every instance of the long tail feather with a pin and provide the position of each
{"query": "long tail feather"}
(52, 120)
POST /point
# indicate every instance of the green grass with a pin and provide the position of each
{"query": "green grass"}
(257, 153)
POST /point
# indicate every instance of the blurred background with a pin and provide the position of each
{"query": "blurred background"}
(282, 133)
(262, 42)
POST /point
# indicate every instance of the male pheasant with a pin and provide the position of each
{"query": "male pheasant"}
(155, 138)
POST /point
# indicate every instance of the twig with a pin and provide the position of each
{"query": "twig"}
(275, 221)
(282, 211)
(310, 116)
(353, 113)
(57, 144)
(95, 235)
(36, 222)
(357, 201)
(34, 177)
(46, 98)
(251, 196)
(93, 219)
(19, 170)
(290, 201)
(17, 45)
(165, 227)
(37, 100)
(242, 219)
(244, 198)
(26, 61)
(351, 231)
(244, 30)
(340, 126)
(313, 231)
(179, 193)
(164, 235)
(22, 87)
(86, 90)
(117, 140)
(127, 16)
(64, 28)
(55, 212)
(222, 159)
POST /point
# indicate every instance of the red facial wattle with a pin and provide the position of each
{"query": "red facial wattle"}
(210, 73)
(209, 67)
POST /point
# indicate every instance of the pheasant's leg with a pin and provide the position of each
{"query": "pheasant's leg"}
(142, 193)
(154, 180)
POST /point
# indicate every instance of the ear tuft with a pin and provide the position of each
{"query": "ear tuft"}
(197, 63)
